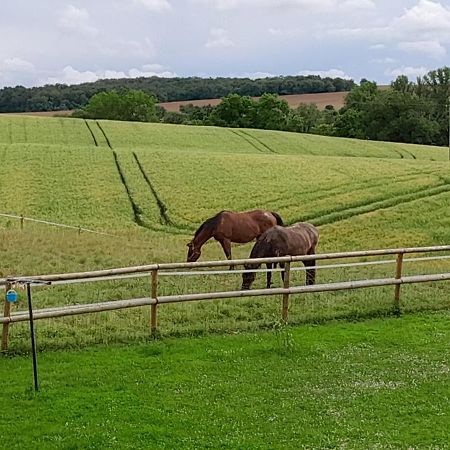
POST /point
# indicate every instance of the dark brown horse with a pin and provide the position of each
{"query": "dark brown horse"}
(298, 239)
(228, 226)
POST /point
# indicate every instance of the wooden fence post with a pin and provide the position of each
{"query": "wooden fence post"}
(6, 313)
(398, 275)
(22, 219)
(154, 308)
(287, 272)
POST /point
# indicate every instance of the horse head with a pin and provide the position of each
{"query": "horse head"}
(248, 277)
(193, 252)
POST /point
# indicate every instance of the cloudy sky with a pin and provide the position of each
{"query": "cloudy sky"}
(76, 41)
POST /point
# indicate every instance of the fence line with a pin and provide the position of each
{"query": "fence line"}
(109, 273)
(156, 270)
(132, 303)
(55, 224)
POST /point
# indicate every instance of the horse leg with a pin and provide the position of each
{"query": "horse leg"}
(282, 272)
(269, 275)
(226, 245)
(310, 273)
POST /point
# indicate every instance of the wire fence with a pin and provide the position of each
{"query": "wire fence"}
(55, 224)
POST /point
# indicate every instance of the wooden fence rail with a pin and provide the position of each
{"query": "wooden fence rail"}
(153, 271)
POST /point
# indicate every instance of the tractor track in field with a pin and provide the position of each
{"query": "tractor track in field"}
(164, 216)
(364, 208)
(251, 140)
(343, 187)
(258, 140)
(137, 211)
(104, 134)
(92, 133)
(409, 153)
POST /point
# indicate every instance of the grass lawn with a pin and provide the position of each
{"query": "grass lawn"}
(382, 383)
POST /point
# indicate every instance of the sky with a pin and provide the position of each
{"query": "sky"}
(59, 41)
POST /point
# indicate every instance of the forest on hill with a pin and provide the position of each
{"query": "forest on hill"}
(405, 112)
(60, 97)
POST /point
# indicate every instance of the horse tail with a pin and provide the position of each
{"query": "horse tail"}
(278, 218)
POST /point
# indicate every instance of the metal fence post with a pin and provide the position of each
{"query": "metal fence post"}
(286, 282)
(398, 275)
(6, 313)
(154, 308)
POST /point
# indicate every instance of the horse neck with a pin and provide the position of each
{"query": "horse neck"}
(202, 237)
(258, 251)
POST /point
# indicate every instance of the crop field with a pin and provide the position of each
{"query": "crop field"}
(379, 383)
(152, 185)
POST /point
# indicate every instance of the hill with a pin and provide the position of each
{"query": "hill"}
(336, 99)
(61, 97)
(152, 185)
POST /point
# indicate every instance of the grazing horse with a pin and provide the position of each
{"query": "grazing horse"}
(298, 239)
(228, 226)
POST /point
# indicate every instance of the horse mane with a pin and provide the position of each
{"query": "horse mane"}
(208, 223)
(278, 218)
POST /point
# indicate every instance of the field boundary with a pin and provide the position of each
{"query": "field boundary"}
(55, 224)
(172, 269)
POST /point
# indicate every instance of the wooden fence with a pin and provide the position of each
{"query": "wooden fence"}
(154, 271)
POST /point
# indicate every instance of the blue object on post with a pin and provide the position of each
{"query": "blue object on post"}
(11, 296)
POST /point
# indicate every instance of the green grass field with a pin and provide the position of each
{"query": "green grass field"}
(377, 384)
(222, 374)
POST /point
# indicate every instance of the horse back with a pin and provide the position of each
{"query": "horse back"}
(295, 240)
(243, 227)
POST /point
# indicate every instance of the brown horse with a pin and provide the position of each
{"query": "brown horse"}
(298, 239)
(228, 226)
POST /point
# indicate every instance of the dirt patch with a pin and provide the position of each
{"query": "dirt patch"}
(321, 100)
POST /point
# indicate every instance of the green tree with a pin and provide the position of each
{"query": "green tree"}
(270, 113)
(136, 106)
(402, 84)
(435, 86)
(233, 111)
(400, 117)
(303, 118)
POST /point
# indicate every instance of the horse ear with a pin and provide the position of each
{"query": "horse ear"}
(189, 244)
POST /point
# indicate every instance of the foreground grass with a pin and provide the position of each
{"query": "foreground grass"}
(373, 384)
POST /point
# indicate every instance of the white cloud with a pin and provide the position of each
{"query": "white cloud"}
(431, 48)
(69, 75)
(410, 72)
(423, 28)
(218, 38)
(76, 21)
(359, 4)
(256, 75)
(155, 5)
(140, 49)
(310, 5)
(386, 60)
(16, 71)
(425, 17)
(332, 73)
(377, 47)
(287, 33)
(16, 65)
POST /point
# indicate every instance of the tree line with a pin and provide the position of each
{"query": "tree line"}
(59, 97)
(411, 112)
